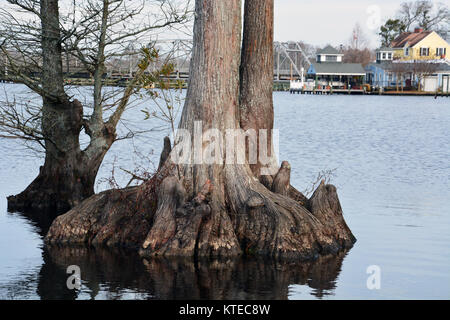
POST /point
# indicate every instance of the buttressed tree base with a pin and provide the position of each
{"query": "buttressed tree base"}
(217, 210)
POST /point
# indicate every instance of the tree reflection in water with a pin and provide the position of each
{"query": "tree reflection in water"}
(120, 274)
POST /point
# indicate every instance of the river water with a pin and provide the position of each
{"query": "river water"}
(391, 162)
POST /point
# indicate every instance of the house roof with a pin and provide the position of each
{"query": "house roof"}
(443, 67)
(328, 50)
(410, 38)
(328, 68)
(385, 49)
(387, 65)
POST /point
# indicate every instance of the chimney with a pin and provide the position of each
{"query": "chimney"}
(418, 30)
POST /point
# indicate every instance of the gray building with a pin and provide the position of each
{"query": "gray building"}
(330, 72)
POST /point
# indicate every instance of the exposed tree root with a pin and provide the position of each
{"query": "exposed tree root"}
(112, 218)
(159, 219)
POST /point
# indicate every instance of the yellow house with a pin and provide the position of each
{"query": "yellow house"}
(420, 45)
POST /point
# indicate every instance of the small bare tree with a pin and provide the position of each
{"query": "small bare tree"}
(358, 40)
(422, 70)
(357, 50)
(399, 69)
(36, 37)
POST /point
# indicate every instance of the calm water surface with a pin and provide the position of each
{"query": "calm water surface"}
(392, 161)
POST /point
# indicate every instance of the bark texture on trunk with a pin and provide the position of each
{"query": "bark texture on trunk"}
(256, 75)
(215, 209)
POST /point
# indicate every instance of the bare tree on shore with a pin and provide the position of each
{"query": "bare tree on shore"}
(399, 69)
(357, 50)
(422, 69)
(36, 36)
(425, 14)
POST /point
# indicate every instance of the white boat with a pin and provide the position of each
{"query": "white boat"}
(296, 86)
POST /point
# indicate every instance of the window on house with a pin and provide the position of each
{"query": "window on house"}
(390, 56)
(331, 58)
(424, 52)
(440, 51)
(384, 55)
(406, 51)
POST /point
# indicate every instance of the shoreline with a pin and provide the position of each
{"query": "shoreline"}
(277, 87)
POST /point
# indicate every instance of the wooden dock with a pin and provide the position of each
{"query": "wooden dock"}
(330, 91)
(412, 93)
(362, 91)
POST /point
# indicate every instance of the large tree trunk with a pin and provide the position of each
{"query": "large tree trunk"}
(231, 211)
(68, 174)
(204, 225)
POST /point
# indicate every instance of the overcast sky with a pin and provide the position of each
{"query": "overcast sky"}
(321, 22)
